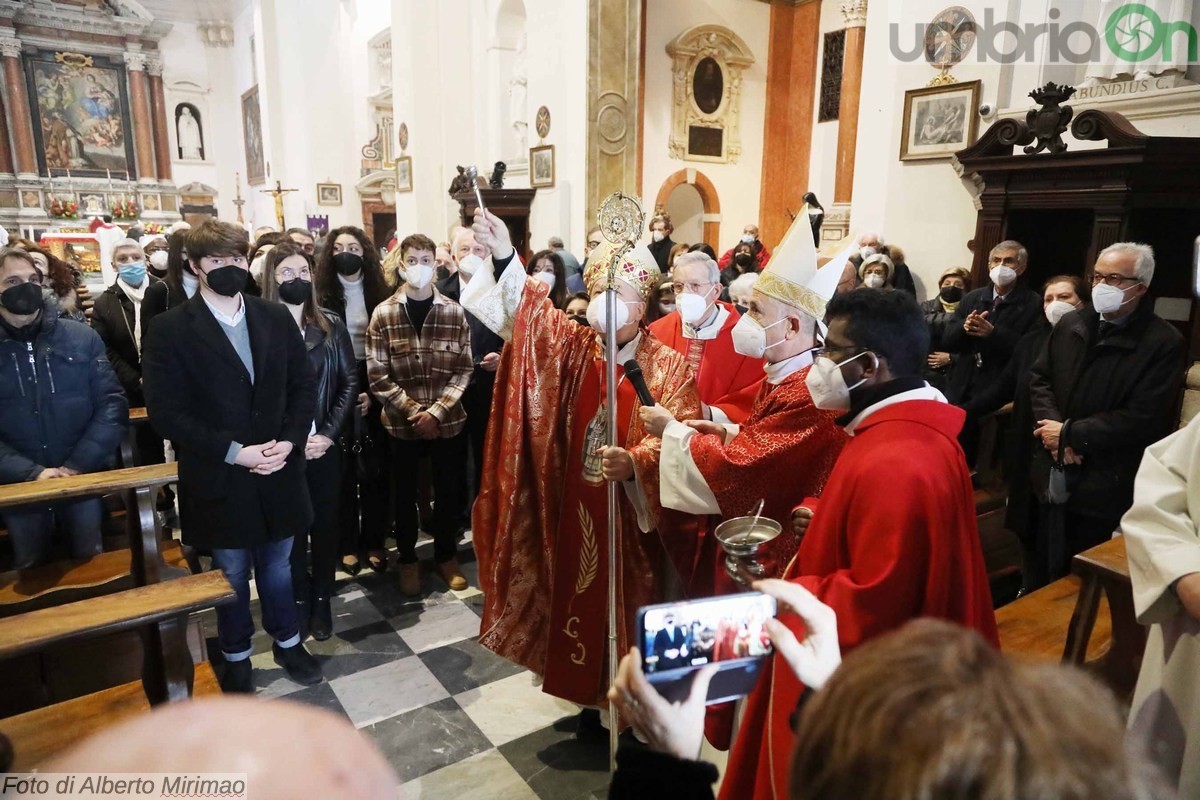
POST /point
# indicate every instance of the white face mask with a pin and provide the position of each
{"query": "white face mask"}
(748, 238)
(1057, 310)
(873, 281)
(827, 385)
(866, 251)
(547, 278)
(657, 236)
(750, 337)
(158, 260)
(597, 313)
(692, 307)
(418, 276)
(469, 263)
(1109, 299)
(1002, 276)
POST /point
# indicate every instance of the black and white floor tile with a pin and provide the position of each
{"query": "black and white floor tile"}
(454, 720)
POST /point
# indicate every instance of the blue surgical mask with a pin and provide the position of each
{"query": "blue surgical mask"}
(133, 274)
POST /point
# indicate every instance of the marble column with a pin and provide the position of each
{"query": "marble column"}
(614, 48)
(854, 12)
(6, 162)
(18, 100)
(792, 81)
(138, 102)
(158, 114)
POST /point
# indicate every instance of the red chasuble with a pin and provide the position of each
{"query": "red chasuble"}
(540, 523)
(726, 378)
(783, 453)
(892, 538)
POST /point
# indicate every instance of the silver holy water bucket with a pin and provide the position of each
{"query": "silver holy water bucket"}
(742, 538)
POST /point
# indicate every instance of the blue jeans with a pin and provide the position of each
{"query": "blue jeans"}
(32, 531)
(273, 575)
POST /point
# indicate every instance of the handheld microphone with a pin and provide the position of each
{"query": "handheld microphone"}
(633, 372)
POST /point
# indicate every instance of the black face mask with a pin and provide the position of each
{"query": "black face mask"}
(227, 281)
(742, 259)
(951, 294)
(348, 263)
(22, 299)
(295, 292)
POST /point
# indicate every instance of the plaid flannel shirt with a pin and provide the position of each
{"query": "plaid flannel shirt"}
(410, 373)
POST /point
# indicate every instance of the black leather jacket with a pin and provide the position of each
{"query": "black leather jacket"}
(332, 360)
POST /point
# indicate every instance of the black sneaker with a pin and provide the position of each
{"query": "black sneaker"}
(298, 663)
(238, 677)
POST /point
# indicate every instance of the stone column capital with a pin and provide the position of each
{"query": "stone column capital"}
(854, 13)
(10, 47)
(135, 62)
(154, 65)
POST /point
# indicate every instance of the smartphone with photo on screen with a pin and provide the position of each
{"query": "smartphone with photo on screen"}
(678, 639)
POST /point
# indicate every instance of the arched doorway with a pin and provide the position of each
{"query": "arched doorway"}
(681, 190)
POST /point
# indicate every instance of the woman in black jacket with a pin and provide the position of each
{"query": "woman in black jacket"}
(350, 283)
(939, 314)
(287, 279)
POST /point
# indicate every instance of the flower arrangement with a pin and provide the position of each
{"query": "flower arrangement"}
(64, 209)
(125, 209)
(154, 228)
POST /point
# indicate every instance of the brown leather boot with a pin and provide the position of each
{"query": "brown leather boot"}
(452, 575)
(410, 579)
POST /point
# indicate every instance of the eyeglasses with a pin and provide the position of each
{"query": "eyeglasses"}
(289, 274)
(1112, 279)
(826, 348)
(694, 288)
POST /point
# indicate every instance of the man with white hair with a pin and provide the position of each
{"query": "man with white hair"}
(749, 236)
(725, 470)
(570, 263)
(701, 330)
(1103, 390)
(740, 289)
(468, 256)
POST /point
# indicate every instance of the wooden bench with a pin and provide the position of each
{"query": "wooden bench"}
(139, 485)
(1086, 619)
(129, 449)
(159, 611)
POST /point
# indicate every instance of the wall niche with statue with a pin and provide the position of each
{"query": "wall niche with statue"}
(707, 65)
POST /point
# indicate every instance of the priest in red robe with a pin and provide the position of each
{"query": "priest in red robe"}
(893, 536)
(700, 329)
(540, 522)
(785, 448)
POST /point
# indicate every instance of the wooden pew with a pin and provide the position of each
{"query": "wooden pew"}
(1086, 619)
(139, 485)
(129, 449)
(159, 611)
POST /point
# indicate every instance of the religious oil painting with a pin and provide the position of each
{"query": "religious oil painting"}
(939, 121)
(708, 85)
(81, 114)
(256, 161)
(541, 167)
(329, 194)
(404, 174)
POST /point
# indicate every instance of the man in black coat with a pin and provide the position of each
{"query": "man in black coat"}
(62, 411)
(660, 240)
(227, 379)
(986, 328)
(468, 256)
(668, 645)
(1103, 390)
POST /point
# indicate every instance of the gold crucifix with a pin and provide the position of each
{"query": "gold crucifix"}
(278, 192)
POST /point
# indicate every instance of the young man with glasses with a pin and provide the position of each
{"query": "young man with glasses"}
(227, 380)
(701, 330)
(893, 536)
(1103, 390)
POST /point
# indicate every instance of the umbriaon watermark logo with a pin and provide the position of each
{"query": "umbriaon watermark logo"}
(1135, 34)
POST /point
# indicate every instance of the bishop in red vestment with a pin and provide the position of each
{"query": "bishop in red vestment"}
(785, 448)
(700, 329)
(893, 536)
(540, 521)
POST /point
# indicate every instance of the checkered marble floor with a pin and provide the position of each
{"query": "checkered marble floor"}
(454, 720)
